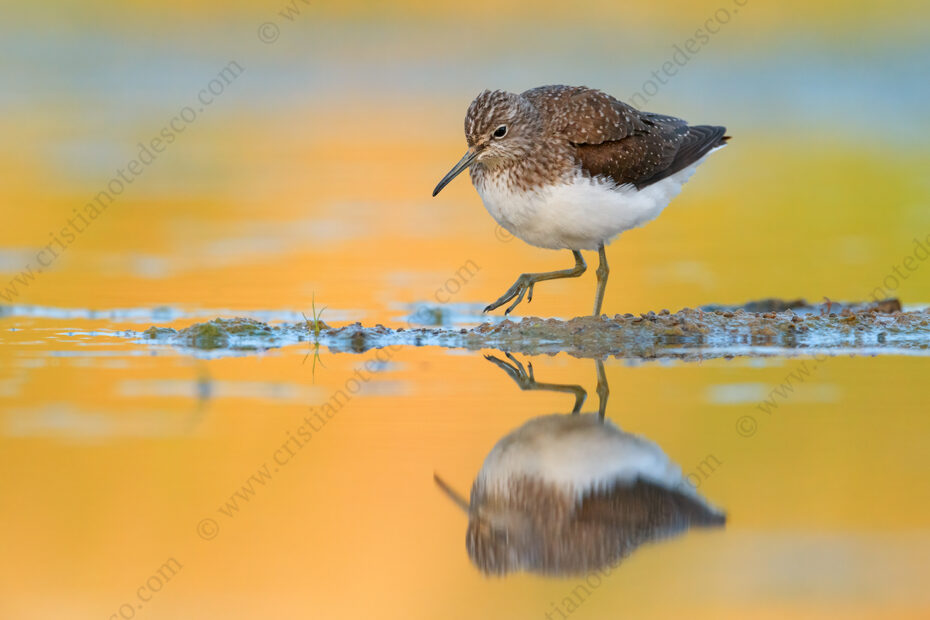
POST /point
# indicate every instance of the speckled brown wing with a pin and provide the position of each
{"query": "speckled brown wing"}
(584, 115)
(617, 141)
(666, 147)
(607, 526)
(646, 506)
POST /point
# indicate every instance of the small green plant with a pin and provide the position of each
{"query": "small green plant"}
(313, 328)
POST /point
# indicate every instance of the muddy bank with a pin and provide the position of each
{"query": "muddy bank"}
(758, 328)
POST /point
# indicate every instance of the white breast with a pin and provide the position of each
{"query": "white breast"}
(577, 453)
(580, 214)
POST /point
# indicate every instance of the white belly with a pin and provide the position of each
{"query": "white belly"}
(579, 215)
(577, 453)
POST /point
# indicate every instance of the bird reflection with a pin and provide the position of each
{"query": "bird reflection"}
(566, 494)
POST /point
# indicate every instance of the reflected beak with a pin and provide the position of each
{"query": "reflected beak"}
(459, 501)
(463, 164)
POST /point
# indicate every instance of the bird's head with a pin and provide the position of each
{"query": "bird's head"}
(500, 128)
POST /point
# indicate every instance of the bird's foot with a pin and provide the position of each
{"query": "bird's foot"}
(515, 369)
(522, 287)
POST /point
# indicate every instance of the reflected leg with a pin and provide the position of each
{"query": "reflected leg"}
(527, 381)
(603, 390)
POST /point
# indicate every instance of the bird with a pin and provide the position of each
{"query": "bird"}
(571, 167)
(568, 494)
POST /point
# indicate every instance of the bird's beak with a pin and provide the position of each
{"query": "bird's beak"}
(463, 164)
(457, 499)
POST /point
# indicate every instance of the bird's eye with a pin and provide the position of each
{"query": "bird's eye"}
(500, 132)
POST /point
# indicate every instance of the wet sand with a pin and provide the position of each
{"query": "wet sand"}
(765, 327)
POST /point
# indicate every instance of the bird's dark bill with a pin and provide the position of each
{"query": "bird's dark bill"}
(463, 164)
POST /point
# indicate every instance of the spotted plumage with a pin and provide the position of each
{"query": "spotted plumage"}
(567, 494)
(566, 167)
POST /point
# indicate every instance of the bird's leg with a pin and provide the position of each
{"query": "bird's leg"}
(603, 390)
(525, 282)
(602, 271)
(526, 381)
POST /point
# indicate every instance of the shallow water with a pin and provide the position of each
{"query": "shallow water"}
(129, 454)
(146, 478)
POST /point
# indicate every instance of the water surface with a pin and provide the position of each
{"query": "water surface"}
(142, 479)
